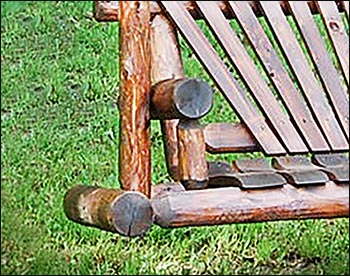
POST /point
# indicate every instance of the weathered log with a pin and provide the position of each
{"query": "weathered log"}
(109, 10)
(166, 188)
(232, 205)
(166, 64)
(135, 86)
(127, 213)
(193, 168)
(181, 99)
(124, 212)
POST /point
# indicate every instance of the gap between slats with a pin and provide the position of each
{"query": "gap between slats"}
(245, 66)
(323, 64)
(297, 61)
(279, 77)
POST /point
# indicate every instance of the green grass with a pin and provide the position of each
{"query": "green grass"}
(59, 128)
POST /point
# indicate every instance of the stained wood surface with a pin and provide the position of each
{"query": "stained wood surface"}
(126, 213)
(135, 85)
(166, 64)
(336, 166)
(224, 79)
(249, 181)
(313, 91)
(193, 169)
(337, 33)
(187, 98)
(109, 10)
(232, 205)
(323, 63)
(229, 137)
(291, 97)
(250, 74)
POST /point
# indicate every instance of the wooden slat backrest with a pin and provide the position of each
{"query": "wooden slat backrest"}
(279, 76)
(336, 31)
(240, 58)
(311, 88)
(323, 62)
(316, 102)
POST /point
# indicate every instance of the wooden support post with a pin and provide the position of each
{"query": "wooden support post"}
(166, 64)
(232, 205)
(135, 86)
(124, 212)
(181, 99)
(193, 167)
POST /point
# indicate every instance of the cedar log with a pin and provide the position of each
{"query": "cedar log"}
(124, 212)
(166, 64)
(135, 86)
(193, 168)
(109, 10)
(232, 205)
(181, 99)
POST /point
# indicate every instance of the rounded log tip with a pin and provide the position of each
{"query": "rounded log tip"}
(132, 214)
(193, 98)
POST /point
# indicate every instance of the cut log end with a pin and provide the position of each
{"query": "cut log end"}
(132, 214)
(125, 212)
(181, 99)
(193, 98)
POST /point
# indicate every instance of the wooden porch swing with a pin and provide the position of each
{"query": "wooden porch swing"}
(292, 101)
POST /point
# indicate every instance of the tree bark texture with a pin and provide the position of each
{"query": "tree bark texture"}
(135, 86)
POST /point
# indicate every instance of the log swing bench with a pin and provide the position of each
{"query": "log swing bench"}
(292, 101)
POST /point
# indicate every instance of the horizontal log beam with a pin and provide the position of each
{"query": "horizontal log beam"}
(181, 99)
(229, 137)
(109, 10)
(124, 212)
(232, 205)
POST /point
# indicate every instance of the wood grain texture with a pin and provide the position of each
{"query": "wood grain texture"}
(313, 91)
(187, 98)
(337, 33)
(166, 65)
(263, 95)
(193, 168)
(229, 137)
(230, 88)
(290, 96)
(109, 10)
(232, 205)
(127, 213)
(135, 85)
(338, 94)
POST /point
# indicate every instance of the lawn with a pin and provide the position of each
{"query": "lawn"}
(59, 128)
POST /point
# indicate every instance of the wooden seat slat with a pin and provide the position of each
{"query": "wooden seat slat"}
(337, 33)
(224, 79)
(247, 69)
(279, 76)
(297, 60)
(323, 62)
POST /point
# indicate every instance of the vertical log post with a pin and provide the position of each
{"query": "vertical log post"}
(166, 64)
(134, 151)
(193, 167)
